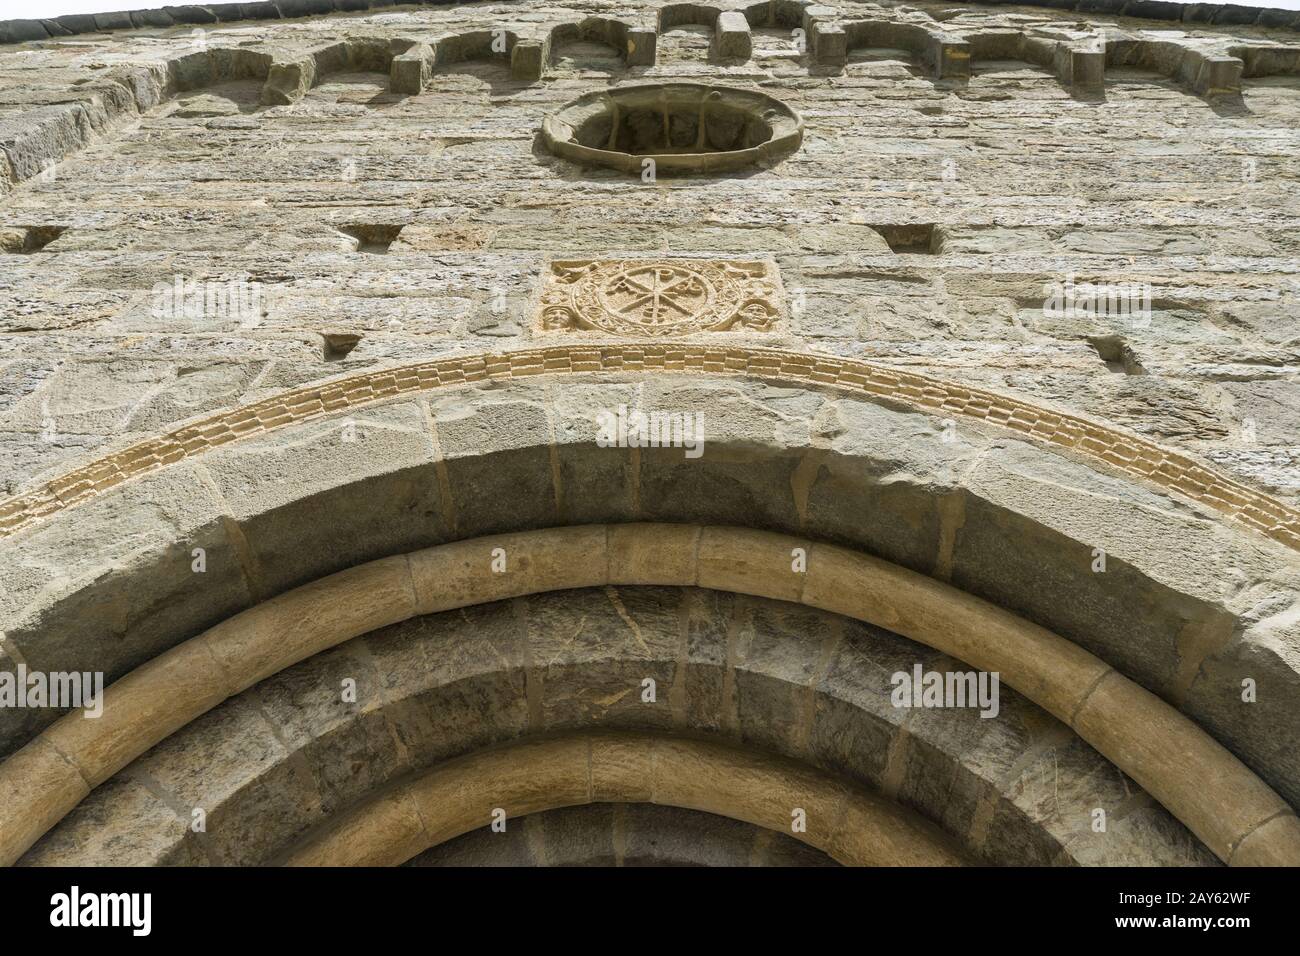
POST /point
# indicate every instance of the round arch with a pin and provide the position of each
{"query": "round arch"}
(1200, 782)
(1188, 605)
(294, 751)
(852, 826)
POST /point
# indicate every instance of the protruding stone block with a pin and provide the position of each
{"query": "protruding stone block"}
(1218, 75)
(1087, 70)
(1268, 60)
(527, 60)
(830, 45)
(641, 43)
(814, 13)
(288, 81)
(949, 58)
(145, 83)
(412, 70)
(36, 138)
(731, 37)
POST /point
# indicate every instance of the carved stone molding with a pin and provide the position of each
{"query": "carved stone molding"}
(1124, 451)
(660, 297)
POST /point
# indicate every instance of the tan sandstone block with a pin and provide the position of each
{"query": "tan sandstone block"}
(38, 787)
(390, 832)
(746, 786)
(1190, 773)
(265, 639)
(1041, 665)
(662, 554)
(1274, 843)
(750, 562)
(147, 705)
(622, 770)
(872, 832)
(461, 574)
(535, 776)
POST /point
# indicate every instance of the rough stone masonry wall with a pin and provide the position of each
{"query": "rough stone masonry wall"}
(988, 189)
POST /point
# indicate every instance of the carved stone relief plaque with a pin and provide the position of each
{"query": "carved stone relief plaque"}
(660, 297)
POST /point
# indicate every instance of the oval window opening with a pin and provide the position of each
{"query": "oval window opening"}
(684, 127)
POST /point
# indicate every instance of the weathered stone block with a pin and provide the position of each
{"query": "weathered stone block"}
(527, 60)
(641, 46)
(76, 22)
(731, 36)
(814, 13)
(305, 8)
(152, 18)
(259, 11)
(1153, 9)
(385, 452)
(1218, 75)
(829, 44)
(496, 450)
(22, 31)
(113, 21)
(949, 57)
(411, 70)
(123, 822)
(65, 584)
(1277, 18)
(43, 136)
(191, 13)
(1087, 70)
(1235, 14)
(287, 81)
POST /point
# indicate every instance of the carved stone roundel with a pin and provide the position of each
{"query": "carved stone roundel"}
(659, 297)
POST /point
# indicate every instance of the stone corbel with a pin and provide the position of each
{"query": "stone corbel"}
(732, 38)
(288, 81)
(411, 71)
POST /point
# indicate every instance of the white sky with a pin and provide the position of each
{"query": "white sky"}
(31, 9)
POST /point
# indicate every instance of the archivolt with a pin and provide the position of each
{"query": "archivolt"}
(1234, 813)
(623, 834)
(286, 755)
(853, 826)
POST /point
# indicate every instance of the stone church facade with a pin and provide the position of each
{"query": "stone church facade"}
(616, 433)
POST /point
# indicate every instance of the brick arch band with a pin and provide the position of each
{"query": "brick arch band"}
(1111, 448)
